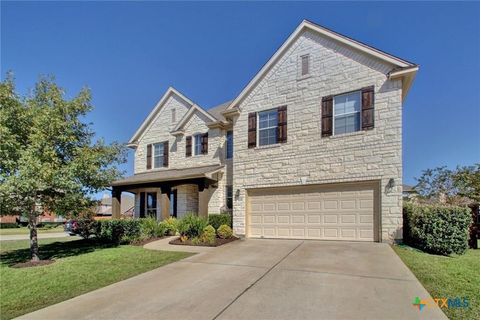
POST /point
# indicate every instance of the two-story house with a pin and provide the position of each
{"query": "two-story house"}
(310, 149)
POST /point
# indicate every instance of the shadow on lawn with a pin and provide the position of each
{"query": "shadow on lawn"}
(53, 250)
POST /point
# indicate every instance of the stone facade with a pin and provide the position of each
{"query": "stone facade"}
(307, 157)
(374, 155)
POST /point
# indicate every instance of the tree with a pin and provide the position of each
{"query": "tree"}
(48, 157)
(450, 186)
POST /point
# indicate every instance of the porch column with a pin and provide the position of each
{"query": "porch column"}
(165, 202)
(203, 197)
(116, 203)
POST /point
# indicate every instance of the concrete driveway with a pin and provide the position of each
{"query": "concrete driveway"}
(262, 279)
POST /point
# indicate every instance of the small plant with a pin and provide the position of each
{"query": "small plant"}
(191, 226)
(224, 232)
(86, 225)
(196, 241)
(216, 220)
(170, 225)
(183, 238)
(208, 235)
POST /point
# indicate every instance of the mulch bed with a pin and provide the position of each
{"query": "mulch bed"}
(145, 241)
(218, 242)
(29, 264)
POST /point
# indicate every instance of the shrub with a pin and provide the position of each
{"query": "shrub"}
(170, 225)
(436, 229)
(216, 220)
(208, 235)
(224, 232)
(118, 231)
(150, 228)
(191, 226)
(86, 226)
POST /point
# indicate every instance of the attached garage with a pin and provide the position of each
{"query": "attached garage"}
(325, 212)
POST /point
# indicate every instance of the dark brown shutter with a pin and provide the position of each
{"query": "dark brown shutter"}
(327, 115)
(149, 156)
(165, 154)
(282, 124)
(188, 146)
(252, 130)
(204, 143)
(142, 205)
(367, 108)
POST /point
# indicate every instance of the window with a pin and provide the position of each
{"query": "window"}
(229, 153)
(229, 197)
(198, 144)
(158, 155)
(267, 127)
(305, 65)
(346, 112)
(174, 116)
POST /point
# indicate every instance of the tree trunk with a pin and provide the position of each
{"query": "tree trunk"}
(32, 224)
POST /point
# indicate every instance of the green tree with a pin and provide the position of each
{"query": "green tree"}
(450, 186)
(49, 159)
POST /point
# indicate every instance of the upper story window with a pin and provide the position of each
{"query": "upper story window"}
(229, 151)
(347, 112)
(305, 65)
(174, 116)
(158, 152)
(200, 144)
(267, 127)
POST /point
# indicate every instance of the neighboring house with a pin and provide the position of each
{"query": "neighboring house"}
(310, 149)
(409, 192)
(104, 207)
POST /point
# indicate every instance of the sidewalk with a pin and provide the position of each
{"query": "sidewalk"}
(27, 236)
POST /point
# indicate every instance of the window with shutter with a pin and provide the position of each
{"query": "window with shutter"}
(204, 140)
(368, 108)
(282, 124)
(158, 155)
(346, 112)
(165, 154)
(252, 130)
(188, 146)
(149, 156)
(327, 112)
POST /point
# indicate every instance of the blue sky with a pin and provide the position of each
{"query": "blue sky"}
(129, 53)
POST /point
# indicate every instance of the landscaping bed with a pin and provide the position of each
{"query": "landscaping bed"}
(188, 242)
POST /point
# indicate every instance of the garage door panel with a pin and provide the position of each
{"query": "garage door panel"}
(339, 212)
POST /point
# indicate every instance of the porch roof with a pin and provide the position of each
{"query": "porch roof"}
(169, 175)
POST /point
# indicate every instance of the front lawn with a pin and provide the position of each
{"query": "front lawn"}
(447, 277)
(25, 230)
(81, 266)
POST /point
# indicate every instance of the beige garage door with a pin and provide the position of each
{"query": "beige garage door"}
(335, 212)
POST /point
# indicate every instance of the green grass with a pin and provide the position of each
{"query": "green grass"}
(81, 266)
(447, 277)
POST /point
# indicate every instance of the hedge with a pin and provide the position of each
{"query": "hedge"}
(216, 220)
(436, 229)
(118, 231)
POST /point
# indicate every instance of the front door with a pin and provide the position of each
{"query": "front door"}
(173, 203)
(152, 204)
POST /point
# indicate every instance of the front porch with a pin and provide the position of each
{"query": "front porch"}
(170, 193)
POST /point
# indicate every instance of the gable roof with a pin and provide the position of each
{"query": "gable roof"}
(218, 110)
(407, 68)
(170, 91)
(189, 113)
